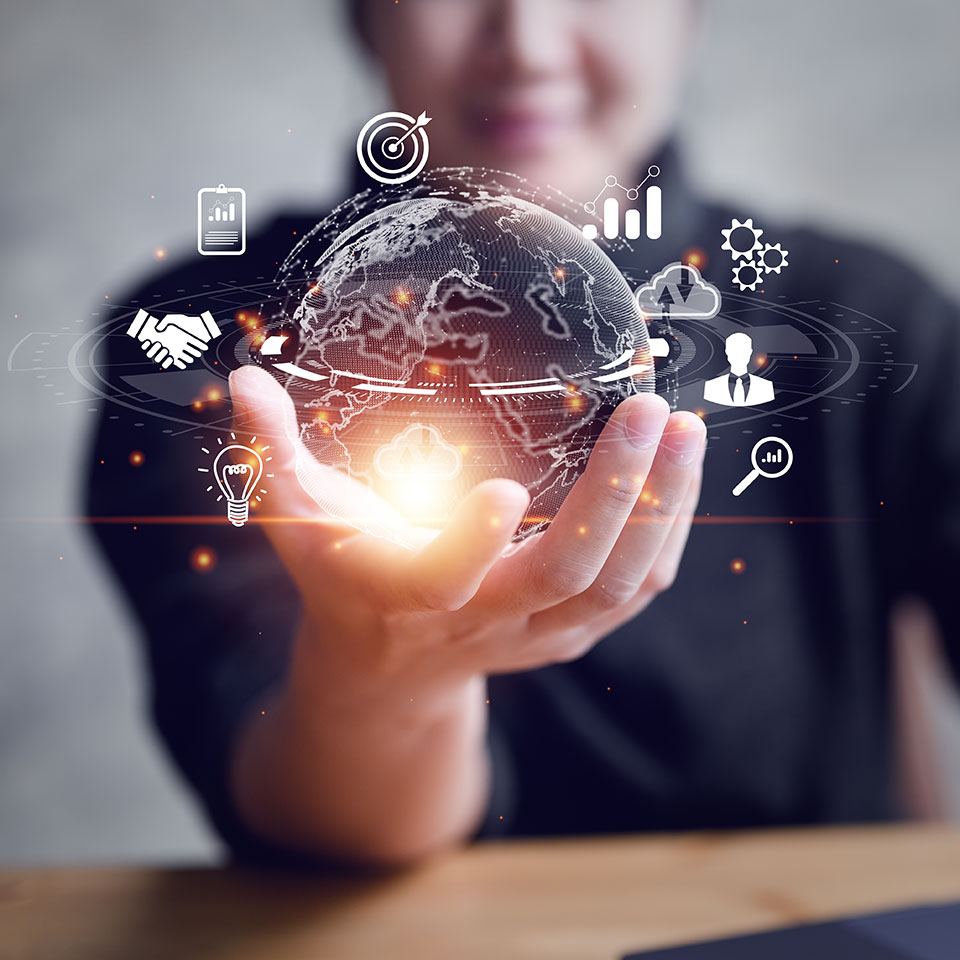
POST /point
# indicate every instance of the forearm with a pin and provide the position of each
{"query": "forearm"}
(368, 772)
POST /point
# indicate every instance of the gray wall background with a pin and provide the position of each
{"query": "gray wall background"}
(840, 114)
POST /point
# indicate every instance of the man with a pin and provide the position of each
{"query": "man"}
(332, 696)
(738, 387)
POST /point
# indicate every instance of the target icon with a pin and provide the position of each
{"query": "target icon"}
(393, 147)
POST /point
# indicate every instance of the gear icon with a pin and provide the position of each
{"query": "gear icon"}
(747, 274)
(741, 239)
(773, 258)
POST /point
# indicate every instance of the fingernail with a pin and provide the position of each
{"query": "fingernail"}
(681, 443)
(645, 427)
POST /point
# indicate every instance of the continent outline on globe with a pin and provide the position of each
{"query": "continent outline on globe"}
(472, 311)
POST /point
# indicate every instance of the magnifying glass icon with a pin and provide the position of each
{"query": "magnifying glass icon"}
(776, 460)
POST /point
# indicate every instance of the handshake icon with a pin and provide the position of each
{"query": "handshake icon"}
(176, 340)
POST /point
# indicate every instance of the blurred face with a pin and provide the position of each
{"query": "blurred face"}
(560, 91)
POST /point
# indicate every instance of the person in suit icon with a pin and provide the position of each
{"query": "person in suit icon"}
(737, 387)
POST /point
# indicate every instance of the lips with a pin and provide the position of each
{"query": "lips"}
(538, 124)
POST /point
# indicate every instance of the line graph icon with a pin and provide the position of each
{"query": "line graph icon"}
(632, 227)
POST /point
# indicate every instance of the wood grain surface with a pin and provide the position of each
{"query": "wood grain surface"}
(590, 898)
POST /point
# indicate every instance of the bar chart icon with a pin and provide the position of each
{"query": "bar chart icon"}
(221, 221)
(631, 218)
(770, 457)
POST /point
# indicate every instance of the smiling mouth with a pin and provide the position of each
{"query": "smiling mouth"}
(516, 131)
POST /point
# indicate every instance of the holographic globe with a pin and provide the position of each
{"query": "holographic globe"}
(451, 337)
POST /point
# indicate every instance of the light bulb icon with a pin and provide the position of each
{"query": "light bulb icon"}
(237, 470)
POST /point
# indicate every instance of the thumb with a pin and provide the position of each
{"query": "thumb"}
(264, 414)
(264, 410)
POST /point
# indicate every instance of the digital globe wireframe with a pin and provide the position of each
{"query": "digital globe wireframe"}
(457, 335)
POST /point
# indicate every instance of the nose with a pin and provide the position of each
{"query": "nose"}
(534, 37)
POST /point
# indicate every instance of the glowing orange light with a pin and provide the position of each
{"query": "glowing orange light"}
(559, 273)
(435, 369)
(737, 565)
(582, 530)
(614, 481)
(136, 458)
(761, 360)
(203, 559)
(213, 394)
(695, 256)
(160, 253)
(402, 297)
(700, 413)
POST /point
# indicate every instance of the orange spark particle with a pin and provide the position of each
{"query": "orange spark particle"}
(136, 458)
(695, 256)
(737, 565)
(402, 297)
(559, 273)
(203, 559)
(160, 253)
(582, 530)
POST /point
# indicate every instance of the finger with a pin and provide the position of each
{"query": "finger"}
(264, 410)
(447, 572)
(656, 516)
(568, 556)
(667, 565)
(155, 348)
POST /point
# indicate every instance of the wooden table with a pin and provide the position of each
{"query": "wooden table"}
(553, 899)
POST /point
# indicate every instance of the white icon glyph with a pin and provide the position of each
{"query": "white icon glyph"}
(237, 469)
(738, 387)
(771, 457)
(176, 339)
(653, 202)
(393, 147)
(221, 221)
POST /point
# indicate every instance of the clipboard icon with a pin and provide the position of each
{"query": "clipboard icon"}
(221, 221)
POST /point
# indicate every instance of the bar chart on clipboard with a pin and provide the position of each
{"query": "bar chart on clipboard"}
(221, 221)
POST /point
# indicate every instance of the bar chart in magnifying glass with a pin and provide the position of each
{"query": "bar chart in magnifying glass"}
(631, 221)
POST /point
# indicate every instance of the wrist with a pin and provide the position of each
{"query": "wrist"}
(329, 681)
